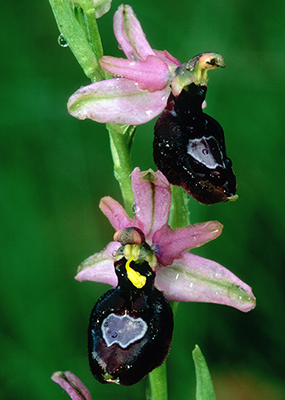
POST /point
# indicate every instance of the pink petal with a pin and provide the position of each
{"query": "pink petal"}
(167, 57)
(72, 385)
(115, 213)
(151, 75)
(193, 278)
(117, 101)
(100, 266)
(130, 35)
(152, 199)
(172, 242)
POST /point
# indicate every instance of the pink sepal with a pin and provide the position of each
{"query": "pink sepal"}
(100, 266)
(118, 101)
(197, 279)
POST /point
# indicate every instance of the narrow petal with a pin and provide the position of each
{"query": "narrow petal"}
(193, 278)
(130, 35)
(152, 199)
(167, 57)
(151, 74)
(170, 243)
(100, 266)
(117, 101)
(115, 213)
(72, 385)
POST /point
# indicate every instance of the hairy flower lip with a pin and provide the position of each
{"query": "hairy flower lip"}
(181, 276)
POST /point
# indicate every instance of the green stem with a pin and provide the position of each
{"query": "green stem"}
(121, 138)
(77, 40)
(179, 212)
(91, 27)
(94, 36)
(158, 383)
(78, 25)
(178, 216)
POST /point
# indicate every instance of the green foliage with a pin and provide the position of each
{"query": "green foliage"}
(204, 386)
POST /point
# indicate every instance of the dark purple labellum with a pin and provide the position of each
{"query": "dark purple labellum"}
(189, 149)
(130, 327)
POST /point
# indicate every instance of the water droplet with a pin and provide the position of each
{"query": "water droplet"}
(61, 41)
(134, 208)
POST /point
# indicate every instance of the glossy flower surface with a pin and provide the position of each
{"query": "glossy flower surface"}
(180, 275)
(142, 82)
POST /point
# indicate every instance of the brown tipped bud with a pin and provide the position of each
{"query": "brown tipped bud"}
(130, 235)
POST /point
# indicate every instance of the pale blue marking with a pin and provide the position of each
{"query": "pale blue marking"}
(123, 330)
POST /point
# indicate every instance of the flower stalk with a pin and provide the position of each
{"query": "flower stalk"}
(77, 24)
(86, 50)
(179, 215)
(88, 11)
(121, 139)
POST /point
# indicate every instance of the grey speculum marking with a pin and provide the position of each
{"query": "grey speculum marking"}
(123, 330)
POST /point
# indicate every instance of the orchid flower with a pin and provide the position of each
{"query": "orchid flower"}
(143, 81)
(180, 275)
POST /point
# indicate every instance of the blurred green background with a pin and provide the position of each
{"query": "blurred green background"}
(55, 169)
